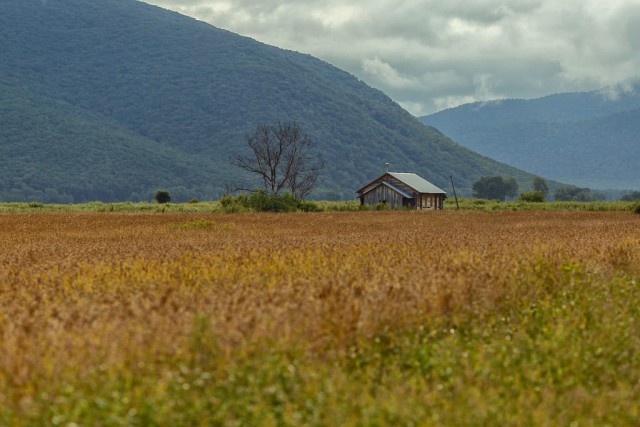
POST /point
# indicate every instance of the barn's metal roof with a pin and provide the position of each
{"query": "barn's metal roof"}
(416, 182)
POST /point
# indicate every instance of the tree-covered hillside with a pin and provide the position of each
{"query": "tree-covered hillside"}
(587, 139)
(112, 99)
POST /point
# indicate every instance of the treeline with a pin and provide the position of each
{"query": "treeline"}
(501, 188)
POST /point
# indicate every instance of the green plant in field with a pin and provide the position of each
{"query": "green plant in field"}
(306, 206)
(382, 206)
(261, 201)
(636, 208)
(533, 196)
(230, 204)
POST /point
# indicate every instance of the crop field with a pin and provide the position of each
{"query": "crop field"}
(320, 319)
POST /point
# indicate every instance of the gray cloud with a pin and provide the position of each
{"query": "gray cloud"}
(429, 55)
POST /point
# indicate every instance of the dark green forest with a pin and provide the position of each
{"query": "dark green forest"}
(110, 100)
(586, 139)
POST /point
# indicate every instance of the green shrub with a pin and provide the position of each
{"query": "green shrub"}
(309, 206)
(232, 204)
(36, 205)
(260, 201)
(162, 196)
(226, 200)
(636, 208)
(533, 196)
(194, 200)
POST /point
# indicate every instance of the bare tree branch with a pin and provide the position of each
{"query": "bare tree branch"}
(279, 156)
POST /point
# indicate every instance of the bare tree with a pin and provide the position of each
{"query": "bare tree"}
(280, 155)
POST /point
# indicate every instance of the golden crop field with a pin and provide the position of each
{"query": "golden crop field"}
(343, 318)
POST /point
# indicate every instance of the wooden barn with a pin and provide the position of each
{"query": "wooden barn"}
(402, 189)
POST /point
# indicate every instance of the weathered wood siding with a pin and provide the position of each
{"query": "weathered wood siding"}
(399, 184)
(430, 201)
(383, 194)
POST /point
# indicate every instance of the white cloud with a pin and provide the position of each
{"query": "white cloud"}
(386, 74)
(336, 16)
(429, 54)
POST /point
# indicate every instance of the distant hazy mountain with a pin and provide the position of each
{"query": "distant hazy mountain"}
(112, 99)
(587, 139)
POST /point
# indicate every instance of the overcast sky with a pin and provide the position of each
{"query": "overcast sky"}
(429, 55)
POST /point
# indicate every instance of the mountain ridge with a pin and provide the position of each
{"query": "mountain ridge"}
(111, 100)
(585, 138)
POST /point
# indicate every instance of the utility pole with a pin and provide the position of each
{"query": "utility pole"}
(454, 192)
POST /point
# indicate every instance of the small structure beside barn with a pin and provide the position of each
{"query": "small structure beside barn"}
(402, 190)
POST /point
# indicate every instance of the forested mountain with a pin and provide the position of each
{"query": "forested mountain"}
(112, 99)
(588, 139)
